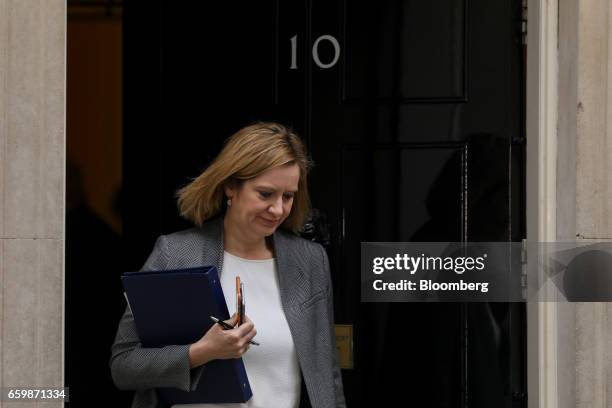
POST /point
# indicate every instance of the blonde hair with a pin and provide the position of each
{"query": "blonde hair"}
(246, 154)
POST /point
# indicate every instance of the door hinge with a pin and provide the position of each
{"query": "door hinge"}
(524, 21)
(524, 269)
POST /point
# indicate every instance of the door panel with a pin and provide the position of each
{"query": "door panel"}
(402, 36)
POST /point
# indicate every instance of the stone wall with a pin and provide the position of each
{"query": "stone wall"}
(584, 191)
(32, 169)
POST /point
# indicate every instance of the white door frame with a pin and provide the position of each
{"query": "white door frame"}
(542, 97)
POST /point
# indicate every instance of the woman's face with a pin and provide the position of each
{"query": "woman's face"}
(261, 204)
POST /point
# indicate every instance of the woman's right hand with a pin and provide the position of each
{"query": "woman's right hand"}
(219, 343)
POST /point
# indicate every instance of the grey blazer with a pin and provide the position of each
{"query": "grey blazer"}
(306, 296)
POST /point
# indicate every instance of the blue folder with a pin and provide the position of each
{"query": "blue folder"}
(173, 307)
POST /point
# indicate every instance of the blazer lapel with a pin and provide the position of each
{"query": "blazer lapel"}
(292, 281)
(212, 248)
(291, 278)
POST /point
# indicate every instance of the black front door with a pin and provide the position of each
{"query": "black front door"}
(412, 112)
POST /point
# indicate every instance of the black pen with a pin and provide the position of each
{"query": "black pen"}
(229, 327)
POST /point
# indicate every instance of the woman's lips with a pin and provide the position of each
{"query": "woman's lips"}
(270, 223)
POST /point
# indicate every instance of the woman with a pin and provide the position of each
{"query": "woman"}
(246, 206)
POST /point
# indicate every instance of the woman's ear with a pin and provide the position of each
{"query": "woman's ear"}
(229, 190)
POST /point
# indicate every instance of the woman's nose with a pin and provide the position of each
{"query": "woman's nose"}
(277, 207)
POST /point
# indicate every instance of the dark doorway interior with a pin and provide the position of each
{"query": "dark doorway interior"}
(93, 293)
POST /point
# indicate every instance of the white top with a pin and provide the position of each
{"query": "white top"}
(272, 367)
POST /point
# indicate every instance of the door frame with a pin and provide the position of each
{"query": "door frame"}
(541, 118)
(541, 202)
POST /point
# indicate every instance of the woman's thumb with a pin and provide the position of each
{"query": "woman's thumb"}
(232, 321)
